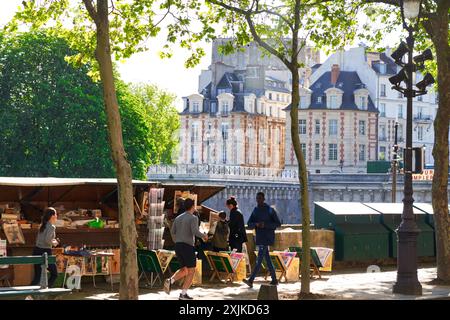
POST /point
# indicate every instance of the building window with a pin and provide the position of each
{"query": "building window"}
(333, 127)
(362, 127)
(319, 99)
(382, 68)
(363, 103)
(303, 102)
(225, 131)
(302, 126)
(399, 95)
(270, 95)
(303, 148)
(383, 90)
(224, 152)
(382, 136)
(270, 111)
(332, 151)
(400, 132)
(420, 98)
(317, 152)
(382, 153)
(400, 111)
(420, 133)
(195, 106)
(317, 126)
(278, 97)
(333, 102)
(192, 154)
(213, 107)
(225, 107)
(194, 132)
(382, 109)
(362, 152)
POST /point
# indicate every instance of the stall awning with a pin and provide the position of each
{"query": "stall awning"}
(53, 190)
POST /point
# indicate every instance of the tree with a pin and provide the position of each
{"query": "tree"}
(282, 29)
(53, 123)
(98, 30)
(53, 120)
(435, 27)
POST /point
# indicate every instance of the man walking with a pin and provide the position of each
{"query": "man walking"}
(265, 220)
(184, 229)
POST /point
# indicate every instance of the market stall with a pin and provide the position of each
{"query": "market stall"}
(87, 213)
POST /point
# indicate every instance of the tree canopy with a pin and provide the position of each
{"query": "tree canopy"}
(53, 118)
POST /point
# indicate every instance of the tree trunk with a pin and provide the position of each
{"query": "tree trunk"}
(128, 259)
(302, 174)
(437, 29)
(303, 180)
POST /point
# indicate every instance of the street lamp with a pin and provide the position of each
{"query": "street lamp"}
(407, 232)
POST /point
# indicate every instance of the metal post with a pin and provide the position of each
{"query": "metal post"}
(407, 281)
(394, 165)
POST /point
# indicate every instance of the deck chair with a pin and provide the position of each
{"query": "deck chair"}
(277, 263)
(314, 264)
(221, 265)
(148, 262)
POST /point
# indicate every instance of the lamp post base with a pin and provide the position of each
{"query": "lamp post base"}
(407, 280)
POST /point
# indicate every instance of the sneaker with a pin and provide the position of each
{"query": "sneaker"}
(248, 282)
(185, 297)
(274, 282)
(167, 286)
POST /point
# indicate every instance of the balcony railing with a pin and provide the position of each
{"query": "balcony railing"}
(220, 172)
(421, 117)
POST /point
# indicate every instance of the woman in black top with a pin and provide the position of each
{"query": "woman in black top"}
(236, 224)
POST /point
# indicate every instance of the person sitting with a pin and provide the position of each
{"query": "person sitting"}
(221, 234)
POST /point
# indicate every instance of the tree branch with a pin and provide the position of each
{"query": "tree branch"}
(91, 10)
(263, 43)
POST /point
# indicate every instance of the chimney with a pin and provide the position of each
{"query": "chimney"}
(334, 74)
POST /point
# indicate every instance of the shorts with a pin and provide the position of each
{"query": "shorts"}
(185, 255)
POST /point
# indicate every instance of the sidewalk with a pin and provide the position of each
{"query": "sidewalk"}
(352, 286)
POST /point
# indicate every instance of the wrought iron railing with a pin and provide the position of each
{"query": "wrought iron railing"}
(215, 171)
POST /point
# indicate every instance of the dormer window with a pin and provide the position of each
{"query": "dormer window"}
(362, 98)
(382, 68)
(319, 99)
(225, 107)
(213, 107)
(195, 107)
(333, 102)
(362, 103)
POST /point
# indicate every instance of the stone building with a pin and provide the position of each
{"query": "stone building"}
(374, 69)
(337, 124)
(237, 116)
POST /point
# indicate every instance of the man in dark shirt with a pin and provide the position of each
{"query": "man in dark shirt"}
(265, 220)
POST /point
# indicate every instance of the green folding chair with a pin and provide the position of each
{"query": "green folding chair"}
(148, 262)
(314, 264)
(221, 265)
(277, 263)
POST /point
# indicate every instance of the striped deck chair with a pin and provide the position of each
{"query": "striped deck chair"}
(148, 262)
(221, 264)
(278, 264)
(315, 263)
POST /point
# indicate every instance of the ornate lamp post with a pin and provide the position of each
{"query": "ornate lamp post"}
(407, 281)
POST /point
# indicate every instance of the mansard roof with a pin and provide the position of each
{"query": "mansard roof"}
(347, 81)
(391, 67)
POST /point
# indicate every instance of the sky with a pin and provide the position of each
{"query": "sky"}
(148, 67)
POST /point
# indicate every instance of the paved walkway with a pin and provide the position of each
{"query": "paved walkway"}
(337, 286)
